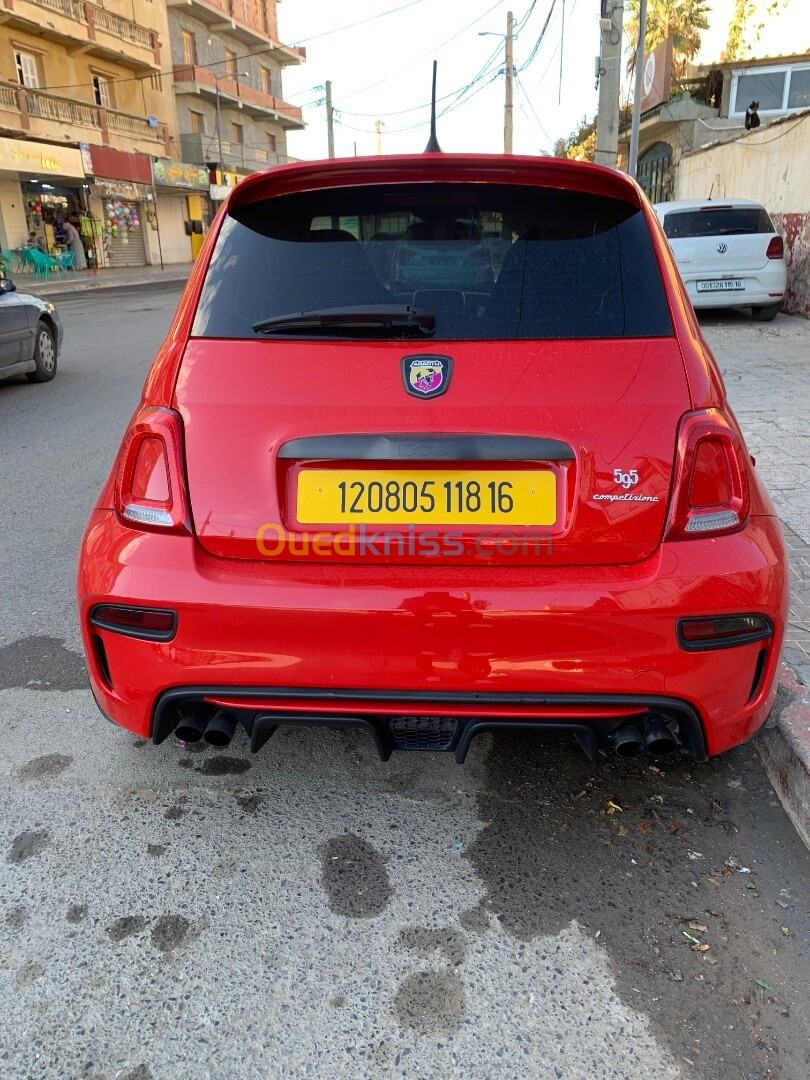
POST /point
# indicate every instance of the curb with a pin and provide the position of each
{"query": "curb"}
(784, 746)
(63, 289)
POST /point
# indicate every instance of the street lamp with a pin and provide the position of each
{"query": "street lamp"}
(224, 75)
(507, 107)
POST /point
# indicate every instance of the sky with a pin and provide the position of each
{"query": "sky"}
(382, 69)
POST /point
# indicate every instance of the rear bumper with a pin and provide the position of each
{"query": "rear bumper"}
(548, 632)
(762, 287)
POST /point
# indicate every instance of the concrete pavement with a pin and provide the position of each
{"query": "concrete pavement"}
(766, 367)
(167, 912)
(87, 280)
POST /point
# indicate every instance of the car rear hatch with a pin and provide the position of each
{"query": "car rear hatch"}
(719, 240)
(534, 423)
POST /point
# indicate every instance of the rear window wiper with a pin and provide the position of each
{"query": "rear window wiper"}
(374, 319)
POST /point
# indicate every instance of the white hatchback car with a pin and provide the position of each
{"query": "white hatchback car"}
(728, 253)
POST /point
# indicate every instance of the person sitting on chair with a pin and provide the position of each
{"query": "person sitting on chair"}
(38, 242)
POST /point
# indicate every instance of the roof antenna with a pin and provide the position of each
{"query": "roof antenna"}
(433, 143)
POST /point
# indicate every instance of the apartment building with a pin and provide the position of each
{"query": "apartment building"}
(84, 107)
(228, 65)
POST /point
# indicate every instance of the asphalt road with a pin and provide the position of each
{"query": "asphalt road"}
(313, 912)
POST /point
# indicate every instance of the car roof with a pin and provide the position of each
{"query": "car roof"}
(703, 204)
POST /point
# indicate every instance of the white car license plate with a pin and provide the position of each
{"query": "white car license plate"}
(733, 285)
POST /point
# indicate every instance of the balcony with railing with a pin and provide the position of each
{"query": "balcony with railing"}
(192, 79)
(38, 114)
(102, 32)
(225, 15)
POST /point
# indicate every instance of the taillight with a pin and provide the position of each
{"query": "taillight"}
(481, 255)
(403, 255)
(153, 624)
(710, 493)
(150, 491)
(776, 248)
(720, 632)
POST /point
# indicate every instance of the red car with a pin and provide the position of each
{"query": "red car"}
(442, 512)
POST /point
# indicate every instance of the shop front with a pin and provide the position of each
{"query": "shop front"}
(183, 208)
(42, 187)
(122, 205)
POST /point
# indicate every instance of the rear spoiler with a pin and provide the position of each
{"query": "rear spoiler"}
(447, 168)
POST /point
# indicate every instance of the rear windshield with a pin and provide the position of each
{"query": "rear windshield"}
(489, 261)
(717, 221)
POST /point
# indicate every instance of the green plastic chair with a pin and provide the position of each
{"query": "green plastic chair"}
(11, 259)
(43, 264)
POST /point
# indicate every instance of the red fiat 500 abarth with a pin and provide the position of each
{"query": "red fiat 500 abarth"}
(434, 499)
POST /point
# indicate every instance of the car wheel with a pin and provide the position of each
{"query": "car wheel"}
(765, 314)
(44, 355)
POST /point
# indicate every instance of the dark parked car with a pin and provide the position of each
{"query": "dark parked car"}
(30, 335)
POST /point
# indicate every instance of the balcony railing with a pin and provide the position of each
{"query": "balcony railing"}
(48, 107)
(110, 23)
(134, 127)
(76, 114)
(94, 17)
(8, 99)
(71, 9)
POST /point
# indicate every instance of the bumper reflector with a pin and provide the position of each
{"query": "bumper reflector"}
(721, 632)
(152, 624)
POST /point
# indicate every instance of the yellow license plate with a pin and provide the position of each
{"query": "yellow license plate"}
(427, 496)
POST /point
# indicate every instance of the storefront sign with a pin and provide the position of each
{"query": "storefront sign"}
(109, 164)
(220, 192)
(40, 159)
(657, 76)
(118, 189)
(179, 174)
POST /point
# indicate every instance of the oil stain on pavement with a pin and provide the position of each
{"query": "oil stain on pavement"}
(354, 877)
(45, 767)
(649, 857)
(28, 844)
(431, 1003)
(41, 663)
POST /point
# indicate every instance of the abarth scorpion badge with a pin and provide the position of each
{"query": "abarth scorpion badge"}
(426, 376)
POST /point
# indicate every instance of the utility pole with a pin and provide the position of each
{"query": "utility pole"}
(330, 125)
(510, 74)
(632, 161)
(377, 133)
(608, 72)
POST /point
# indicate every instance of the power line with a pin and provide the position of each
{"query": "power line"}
(430, 52)
(244, 56)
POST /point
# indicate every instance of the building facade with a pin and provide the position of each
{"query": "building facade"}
(228, 65)
(90, 95)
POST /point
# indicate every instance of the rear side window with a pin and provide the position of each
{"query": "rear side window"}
(717, 221)
(491, 261)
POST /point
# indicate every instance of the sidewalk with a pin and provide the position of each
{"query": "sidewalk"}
(766, 368)
(85, 280)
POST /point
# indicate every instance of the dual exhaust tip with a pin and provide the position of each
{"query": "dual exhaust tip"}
(200, 722)
(655, 737)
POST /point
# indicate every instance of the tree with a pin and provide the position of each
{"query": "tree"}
(682, 20)
(739, 41)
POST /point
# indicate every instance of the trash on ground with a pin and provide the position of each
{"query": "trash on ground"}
(613, 807)
(694, 854)
(695, 925)
(763, 985)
